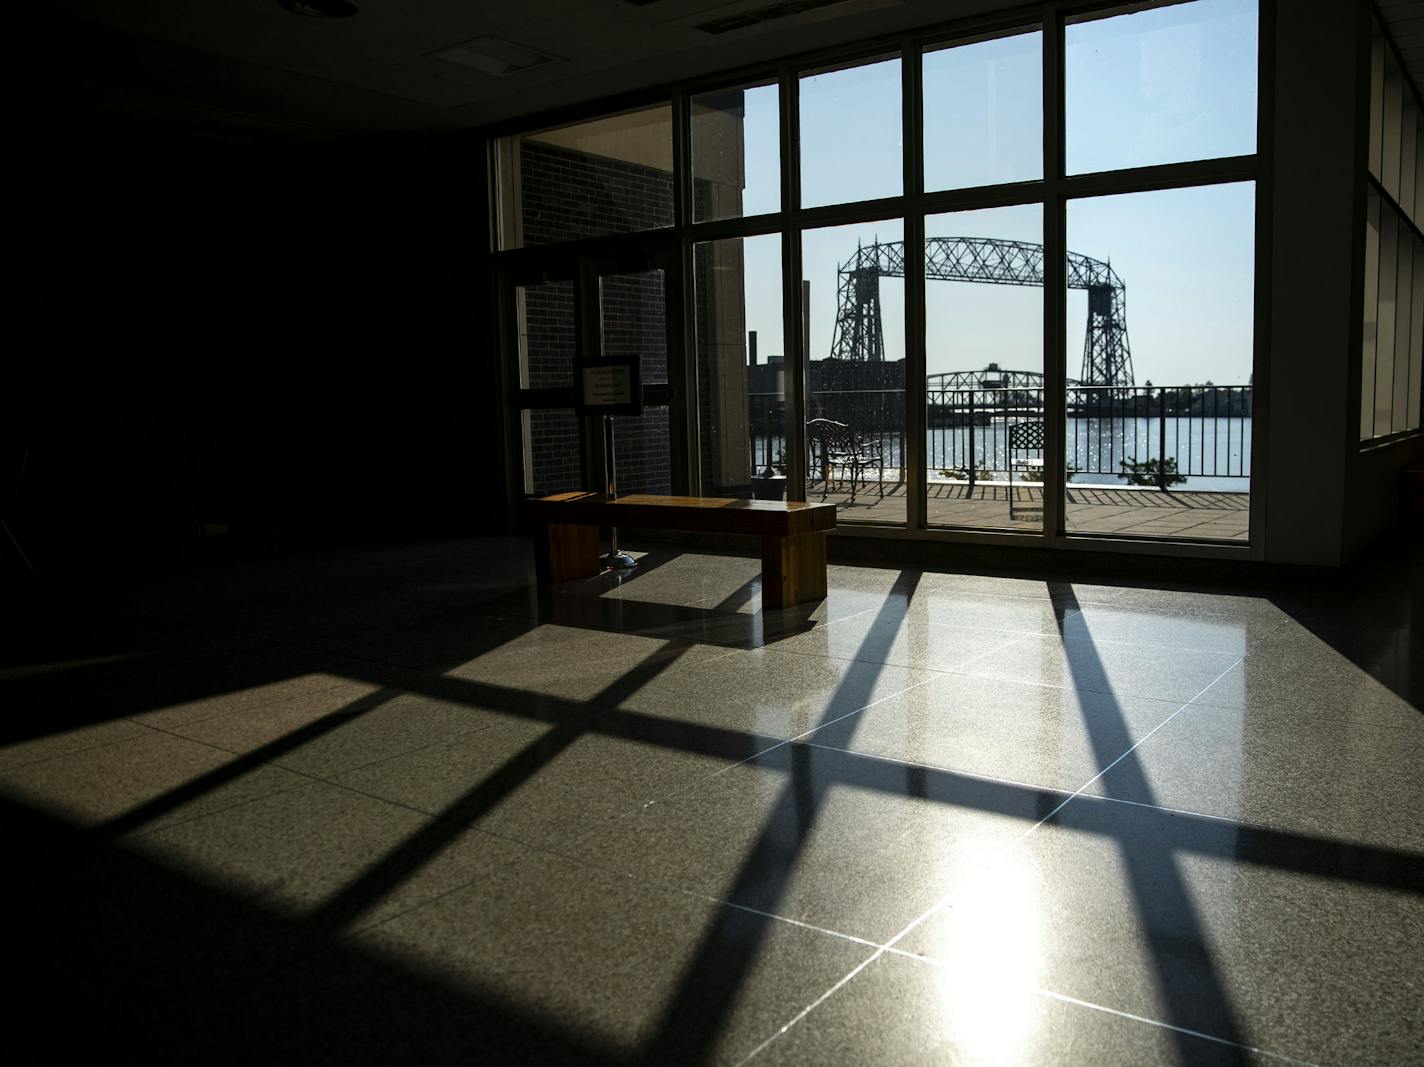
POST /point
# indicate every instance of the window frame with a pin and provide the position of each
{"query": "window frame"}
(1052, 192)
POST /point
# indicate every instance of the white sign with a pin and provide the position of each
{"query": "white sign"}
(607, 386)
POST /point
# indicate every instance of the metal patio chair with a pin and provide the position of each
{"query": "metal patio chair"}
(1025, 437)
(836, 445)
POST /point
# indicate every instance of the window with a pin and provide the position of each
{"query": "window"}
(736, 153)
(741, 369)
(939, 424)
(610, 175)
(1160, 345)
(850, 134)
(1392, 341)
(984, 112)
(1165, 85)
(854, 284)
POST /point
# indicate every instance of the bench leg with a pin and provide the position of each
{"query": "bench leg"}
(564, 552)
(793, 569)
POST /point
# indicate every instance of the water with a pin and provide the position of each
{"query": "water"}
(1213, 454)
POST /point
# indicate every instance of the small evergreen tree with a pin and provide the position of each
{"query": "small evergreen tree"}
(1151, 472)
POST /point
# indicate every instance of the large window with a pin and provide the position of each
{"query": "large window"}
(1008, 308)
(1392, 347)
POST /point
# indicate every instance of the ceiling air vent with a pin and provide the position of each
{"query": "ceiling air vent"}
(760, 16)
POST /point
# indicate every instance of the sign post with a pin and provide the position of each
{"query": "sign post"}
(609, 387)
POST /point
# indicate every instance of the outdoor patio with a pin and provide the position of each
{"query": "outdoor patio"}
(1100, 509)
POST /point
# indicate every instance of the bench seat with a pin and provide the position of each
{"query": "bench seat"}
(793, 535)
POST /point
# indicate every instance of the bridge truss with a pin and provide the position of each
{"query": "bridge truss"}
(859, 335)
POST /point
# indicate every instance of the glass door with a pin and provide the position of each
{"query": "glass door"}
(565, 308)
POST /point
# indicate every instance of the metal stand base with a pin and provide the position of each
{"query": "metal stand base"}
(619, 561)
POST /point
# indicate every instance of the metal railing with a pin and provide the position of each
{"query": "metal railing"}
(1145, 435)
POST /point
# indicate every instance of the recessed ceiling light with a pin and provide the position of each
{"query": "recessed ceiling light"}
(494, 55)
(320, 9)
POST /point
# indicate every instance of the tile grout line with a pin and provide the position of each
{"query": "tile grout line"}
(1092, 1006)
(796, 738)
(1073, 796)
(1000, 855)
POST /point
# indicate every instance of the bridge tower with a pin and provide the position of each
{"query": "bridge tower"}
(1107, 356)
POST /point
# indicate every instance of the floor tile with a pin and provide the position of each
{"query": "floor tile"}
(903, 1010)
(633, 970)
(849, 843)
(334, 858)
(1285, 945)
(1335, 778)
(580, 664)
(1103, 667)
(431, 644)
(907, 642)
(1288, 682)
(950, 605)
(67, 740)
(142, 783)
(1058, 738)
(340, 729)
(541, 782)
(1230, 632)
(777, 694)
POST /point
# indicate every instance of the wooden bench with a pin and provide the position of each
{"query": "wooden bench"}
(793, 535)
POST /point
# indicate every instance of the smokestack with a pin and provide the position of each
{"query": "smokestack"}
(751, 348)
(806, 321)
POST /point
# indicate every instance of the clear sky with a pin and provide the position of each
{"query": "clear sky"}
(1165, 85)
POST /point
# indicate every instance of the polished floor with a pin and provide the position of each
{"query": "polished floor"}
(397, 806)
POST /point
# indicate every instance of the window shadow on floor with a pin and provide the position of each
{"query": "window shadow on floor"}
(113, 952)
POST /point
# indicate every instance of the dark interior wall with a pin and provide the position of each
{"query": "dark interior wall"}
(289, 348)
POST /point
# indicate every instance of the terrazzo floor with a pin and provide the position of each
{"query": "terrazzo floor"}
(400, 806)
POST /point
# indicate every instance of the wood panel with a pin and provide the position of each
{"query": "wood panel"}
(793, 569)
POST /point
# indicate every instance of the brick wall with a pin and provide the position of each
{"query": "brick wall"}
(567, 195)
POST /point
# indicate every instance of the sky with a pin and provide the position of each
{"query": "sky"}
(1158, 86)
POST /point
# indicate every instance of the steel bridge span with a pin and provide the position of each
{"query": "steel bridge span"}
(859, 335)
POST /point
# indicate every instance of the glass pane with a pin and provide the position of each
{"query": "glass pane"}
(1159, 418)
(609, 175)
(1370, 342)
(1164, 85)
(1393, 130)
(546, 335)
(1377, 47)
(983, 106)
(1416, 344)
(551, 452)
(643, 459)
(1403, 325)
(741, 391)
(736, 153)
(850, 134)
(855, 407)
(984, 352)
(633, 320)
(1384, 351)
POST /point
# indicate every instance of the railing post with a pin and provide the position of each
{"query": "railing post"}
(1162, 442)
(969, 495)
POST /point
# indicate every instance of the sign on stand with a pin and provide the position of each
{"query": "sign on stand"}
(610, 386)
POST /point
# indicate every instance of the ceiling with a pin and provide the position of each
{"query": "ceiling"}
(246, 73)
(1405, 21)
(249, 71)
